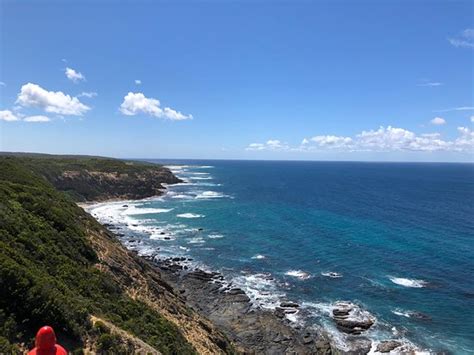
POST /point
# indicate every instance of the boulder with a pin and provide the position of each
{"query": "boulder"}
(387, 346)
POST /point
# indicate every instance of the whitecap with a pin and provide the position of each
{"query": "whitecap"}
(200, 177)
(182, 197)
(261, 288)
(408, 282)
(190, 215)
(197, 240)
(209, 194)
(302, 275)
(401, 313)
(215, 236)
(332, 274)
(258, 256)
(132, 210)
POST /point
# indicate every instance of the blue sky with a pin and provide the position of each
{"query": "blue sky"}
(320, 80)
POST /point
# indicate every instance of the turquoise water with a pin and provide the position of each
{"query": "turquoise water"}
(397, 237)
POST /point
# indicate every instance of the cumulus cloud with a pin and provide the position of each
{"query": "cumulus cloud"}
(32, 95)
(383, 139)
(332, 141)
(438, 121)
(138, 82)
(87, 94)
(271, 144)
(135, 103)
(7, 115)
(465, 39)
(74, 76)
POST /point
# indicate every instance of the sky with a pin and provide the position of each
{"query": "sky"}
(293, 80)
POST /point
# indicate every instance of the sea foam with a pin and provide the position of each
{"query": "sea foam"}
(408, 282)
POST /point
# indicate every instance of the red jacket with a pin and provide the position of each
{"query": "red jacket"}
(45, 342)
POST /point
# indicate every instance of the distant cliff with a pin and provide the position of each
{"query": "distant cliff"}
(97, 179)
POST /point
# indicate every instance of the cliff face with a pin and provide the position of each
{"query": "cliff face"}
(86, 185)
(59, 266)
(98, 179)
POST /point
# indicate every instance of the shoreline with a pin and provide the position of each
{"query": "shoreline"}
(251, 327)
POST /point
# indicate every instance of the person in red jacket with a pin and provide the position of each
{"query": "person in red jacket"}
(45, 343)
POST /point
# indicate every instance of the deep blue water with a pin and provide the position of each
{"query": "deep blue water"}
(382, 226)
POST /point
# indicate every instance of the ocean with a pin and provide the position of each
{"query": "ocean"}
(394, 238)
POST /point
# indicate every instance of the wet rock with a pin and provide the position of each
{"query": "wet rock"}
(289, 305)
(419, 315)
(351, 319)
(125, 206)
(236, 291)
(387, 346)
(307, 339)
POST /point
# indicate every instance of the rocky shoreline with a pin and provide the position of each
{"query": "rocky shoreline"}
(255, 330)
(251, 329)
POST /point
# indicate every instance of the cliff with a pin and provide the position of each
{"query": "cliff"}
(87, 178)
(58, 266)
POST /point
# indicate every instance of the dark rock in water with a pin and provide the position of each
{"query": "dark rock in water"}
(289, 305)
(200, 229)
(281, 312)
(388, 345)
(351, 319)
(419, 315)
(162, 233)
(124, 205)
(134, 225)
(167, 238)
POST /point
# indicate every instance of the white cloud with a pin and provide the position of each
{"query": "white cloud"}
(466, 140)
(465, 39)
(437, 121)
(472, 119)
(383, 139)
(74, 76)
(135, 103)
(38, 118)
(32, 95)
(2, 83)
(7, 115)
(431, 84)
(271, 144)
(332, 141)
(87, 94)
(460, 108)
(138, 82)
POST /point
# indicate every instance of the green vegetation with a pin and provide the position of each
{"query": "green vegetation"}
(47, 273)
(86, 178)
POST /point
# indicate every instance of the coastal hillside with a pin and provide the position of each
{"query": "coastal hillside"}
(87, 178)
(60, 267)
